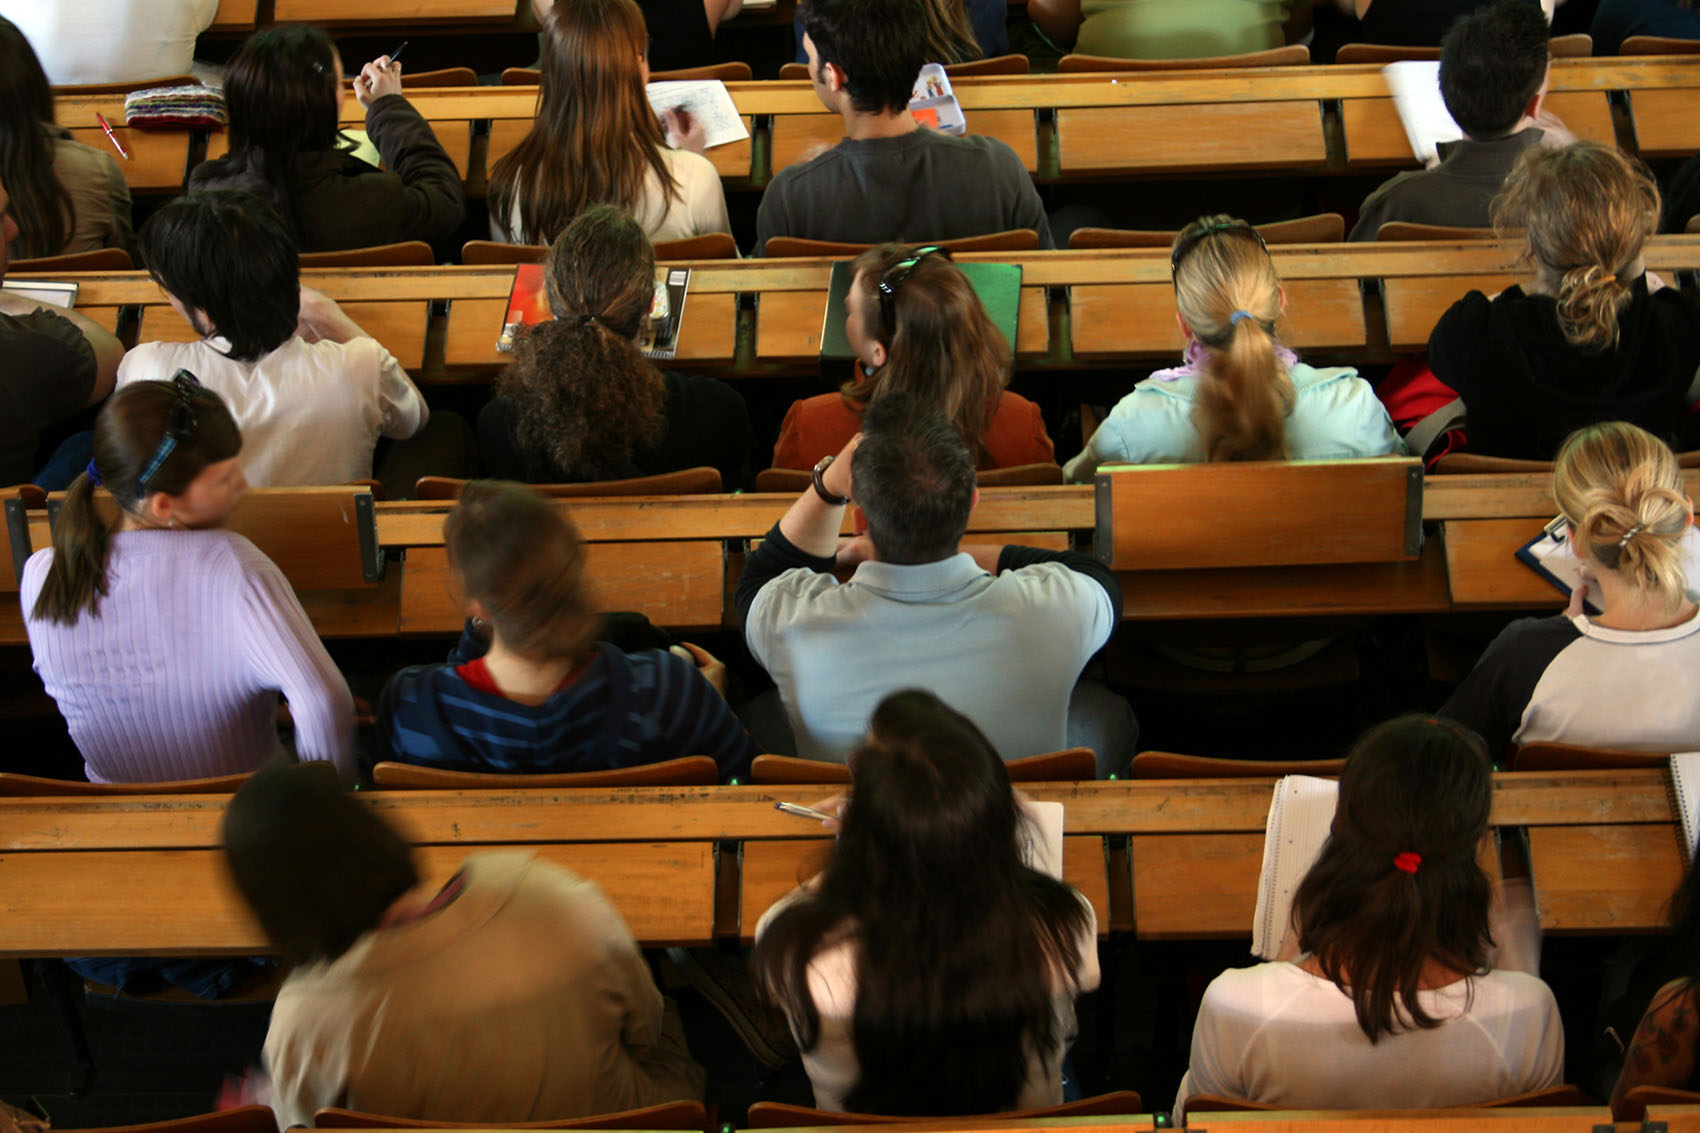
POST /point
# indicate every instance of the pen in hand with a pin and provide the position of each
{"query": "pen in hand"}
(111, 137)
(396, 54)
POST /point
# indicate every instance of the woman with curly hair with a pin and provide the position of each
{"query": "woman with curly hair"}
(581, 402)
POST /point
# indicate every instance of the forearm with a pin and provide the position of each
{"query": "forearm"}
(812, 525)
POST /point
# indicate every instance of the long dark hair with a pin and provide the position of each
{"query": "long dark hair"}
(39, 204)
(317, 868)
(280, 88)
(585, 395)
(960, 947)
(1371, 915)
(128, 432)
(596, 138)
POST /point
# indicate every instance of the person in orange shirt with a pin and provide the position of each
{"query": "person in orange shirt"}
(915, 324)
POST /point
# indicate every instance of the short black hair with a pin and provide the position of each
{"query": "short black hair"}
(227, 253)
(880, 45)
(318, 868)
(1492, 62)
(913, 478)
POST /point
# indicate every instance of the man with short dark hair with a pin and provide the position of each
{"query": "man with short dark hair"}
(1493, 76)
(311, 391)
(52, 363)
(890, 178)
(1000, 633)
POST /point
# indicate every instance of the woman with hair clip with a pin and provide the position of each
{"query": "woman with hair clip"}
(597, 141)
(926, 890)
(1592, 336)
(915, 324)
(1241, 395)
(1628, 677)
(164, 640)
(529, 687)
(66, 197)
(1393, 1002)
(580, 402)
(284, 90)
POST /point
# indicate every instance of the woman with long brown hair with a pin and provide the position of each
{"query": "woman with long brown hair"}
(1393, 1002)
(597, 141)
(1241, 395)
(916, 324)
(580, 401)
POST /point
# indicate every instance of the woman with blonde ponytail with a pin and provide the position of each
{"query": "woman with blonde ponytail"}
(1628, 677)
(580, 401)
(164, 640)
(1393, 1000)
(1591, 337)
(1241, 395)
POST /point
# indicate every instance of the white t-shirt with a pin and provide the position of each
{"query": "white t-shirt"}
(1276, 1034)
(832, 1066)
(111, 41)
(310, 412)
(697, 207)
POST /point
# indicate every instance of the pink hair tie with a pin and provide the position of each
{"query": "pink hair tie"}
(1407, 862)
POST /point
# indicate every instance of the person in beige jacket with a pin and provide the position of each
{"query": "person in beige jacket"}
(513, 992)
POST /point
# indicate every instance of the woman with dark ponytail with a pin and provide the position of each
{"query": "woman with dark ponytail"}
(1241, 395)
(164, 640)
(1592, 336)
(580, 401)
(1393, 1003)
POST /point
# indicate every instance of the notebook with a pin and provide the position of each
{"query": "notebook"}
(1415, 86)
(1550, 555)
(1040, 832)
(48, 294)
(997, 285)
(706, 100)
(1685, 784)
(1301, 810)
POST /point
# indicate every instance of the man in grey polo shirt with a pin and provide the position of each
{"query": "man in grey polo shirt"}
(1000, 633)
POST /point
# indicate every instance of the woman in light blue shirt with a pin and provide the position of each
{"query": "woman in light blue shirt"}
(1240, 395)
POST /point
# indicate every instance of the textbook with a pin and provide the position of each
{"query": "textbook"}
(1415, 86)
(61, 295)
(528, 305)
(933, 103)
(1301, 811)
(997, 285)
(1549, 555)
(706, 100)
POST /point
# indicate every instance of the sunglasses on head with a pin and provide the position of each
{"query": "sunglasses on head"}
(179, 426)
(894, 277)
(1184, 246)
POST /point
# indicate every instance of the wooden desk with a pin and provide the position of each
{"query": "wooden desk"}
(1375, 138)
(1483, 570)
(235, 15)
(414, 11)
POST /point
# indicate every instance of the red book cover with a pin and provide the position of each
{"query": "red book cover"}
(528, 305)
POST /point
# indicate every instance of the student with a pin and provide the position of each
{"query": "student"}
(164, 640)
(528, 688)
(66, 197)
(112, 41)
(890, 178)
(681, 32)
(1163, 29)
(1662, 1051)
(1617, 20)
(939, 345)
(596, 139)
(284, 88)
(1241, 395)
(1628, 677)
(1393, 1003)
(311, 391)
(512, 992)
(926, 890)
(1588, 338)
(1493, 76)
(52, 364)
(580, 401)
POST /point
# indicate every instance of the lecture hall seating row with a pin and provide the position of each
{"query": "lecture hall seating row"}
(1276, 121)
(1078, 309)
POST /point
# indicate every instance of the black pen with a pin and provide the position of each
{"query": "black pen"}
(396, 54)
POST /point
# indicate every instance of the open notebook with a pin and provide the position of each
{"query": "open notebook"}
(1685, 783)
(1415, 87)
(1301, 810)
(1550, 555)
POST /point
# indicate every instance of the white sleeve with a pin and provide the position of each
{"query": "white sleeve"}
(402, 409)
(706, 198)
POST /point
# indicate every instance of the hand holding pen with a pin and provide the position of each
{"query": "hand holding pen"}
(380, 77)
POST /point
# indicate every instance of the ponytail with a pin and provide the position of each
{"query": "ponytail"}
(76, 579)
(1590, 299)
(1622, 490)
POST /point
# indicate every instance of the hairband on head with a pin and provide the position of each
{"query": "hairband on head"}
(93, 474)
(1407, 862)
(586, 320)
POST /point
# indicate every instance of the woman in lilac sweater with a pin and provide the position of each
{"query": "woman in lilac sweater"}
(165, 641)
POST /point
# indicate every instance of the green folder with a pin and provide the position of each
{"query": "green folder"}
(997, 285)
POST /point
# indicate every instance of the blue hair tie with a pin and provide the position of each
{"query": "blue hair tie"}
(93, 474)
(1237, 316)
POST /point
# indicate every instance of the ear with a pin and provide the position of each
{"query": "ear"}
(475, 609)
(1540, 95)
(858, 520)
(877, 354)
(974, 500)
(1282, 293)
(1186, 331)
(158, 508)
(832, 75)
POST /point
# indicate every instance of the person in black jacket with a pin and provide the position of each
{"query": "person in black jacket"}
(284, 89)
(581, 402)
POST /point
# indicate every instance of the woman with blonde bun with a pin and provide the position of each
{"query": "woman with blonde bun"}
(1628, 677)
(1591, 337)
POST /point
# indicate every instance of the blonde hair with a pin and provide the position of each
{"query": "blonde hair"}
(1621, 489)
(1227, 291)
(1587, 210)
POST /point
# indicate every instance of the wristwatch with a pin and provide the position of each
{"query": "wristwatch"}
(821, 466)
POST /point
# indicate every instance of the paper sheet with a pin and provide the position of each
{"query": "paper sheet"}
(1301, 810)
(1415, 86)
(704, 99)
(1041, 833)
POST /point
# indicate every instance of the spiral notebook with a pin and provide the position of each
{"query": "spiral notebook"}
(1685, 784)
(1301, 811)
